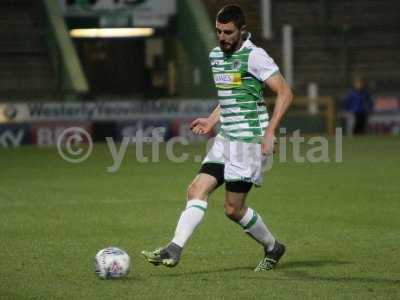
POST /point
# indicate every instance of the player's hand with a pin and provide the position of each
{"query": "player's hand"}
(268, 144)
(201, 126)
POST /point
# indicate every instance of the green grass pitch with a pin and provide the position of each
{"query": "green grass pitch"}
(340, 222)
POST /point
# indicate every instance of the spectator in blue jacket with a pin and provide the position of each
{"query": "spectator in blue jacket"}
(358, 101)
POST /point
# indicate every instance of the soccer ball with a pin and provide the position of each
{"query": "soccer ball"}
(112, 262)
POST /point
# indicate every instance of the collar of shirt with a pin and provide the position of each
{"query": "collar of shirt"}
(246, 42)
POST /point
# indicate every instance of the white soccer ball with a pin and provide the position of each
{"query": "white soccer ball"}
(112, 262)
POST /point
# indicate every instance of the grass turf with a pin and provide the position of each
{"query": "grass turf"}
(340, 222)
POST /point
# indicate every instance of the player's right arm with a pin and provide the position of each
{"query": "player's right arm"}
(205, 125)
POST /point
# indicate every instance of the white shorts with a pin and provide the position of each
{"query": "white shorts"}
(242, 161)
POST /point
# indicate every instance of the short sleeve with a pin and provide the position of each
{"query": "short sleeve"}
(261, 65)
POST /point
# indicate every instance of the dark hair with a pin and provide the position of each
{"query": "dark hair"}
(231, 13)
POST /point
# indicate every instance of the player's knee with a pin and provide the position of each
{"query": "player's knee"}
(195, 191)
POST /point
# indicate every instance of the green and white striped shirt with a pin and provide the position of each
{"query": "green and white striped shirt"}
(239, 81)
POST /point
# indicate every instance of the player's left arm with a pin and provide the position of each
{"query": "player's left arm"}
(284, 98)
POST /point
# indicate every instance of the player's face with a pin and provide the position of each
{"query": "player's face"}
(229, 36)
(359, 84)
